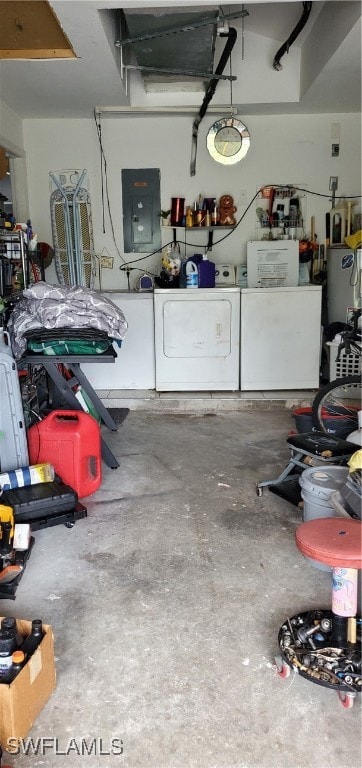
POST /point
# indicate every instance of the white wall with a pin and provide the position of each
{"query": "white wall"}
(11, 139)
(284, 149)
(11, 130)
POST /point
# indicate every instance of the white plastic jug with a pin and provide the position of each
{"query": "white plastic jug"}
(192, 275)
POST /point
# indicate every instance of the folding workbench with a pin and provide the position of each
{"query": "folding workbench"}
(64, 387)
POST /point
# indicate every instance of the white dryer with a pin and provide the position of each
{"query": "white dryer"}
(197, 333)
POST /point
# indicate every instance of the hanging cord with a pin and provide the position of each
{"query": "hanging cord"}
(242, 35)
(126, 264)
(307, 7)
(211, 88)
(99, 131)
(231, 87)
(104, 168)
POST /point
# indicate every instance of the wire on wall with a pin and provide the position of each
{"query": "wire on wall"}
(105, 199)
(275, 186)
(231, 232)
(104, 185)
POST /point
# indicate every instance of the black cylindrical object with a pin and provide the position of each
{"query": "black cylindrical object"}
(339, 631)
(8, 644)
(8, 624)
(5, 541)
(32, 641)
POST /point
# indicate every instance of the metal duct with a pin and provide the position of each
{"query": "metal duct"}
(186, 50)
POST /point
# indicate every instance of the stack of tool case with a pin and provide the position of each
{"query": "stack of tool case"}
(44, 504)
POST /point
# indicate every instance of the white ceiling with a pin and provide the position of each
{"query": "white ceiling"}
(320, 73)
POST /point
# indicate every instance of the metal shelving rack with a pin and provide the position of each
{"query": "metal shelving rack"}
(13, 258)
(280, 195)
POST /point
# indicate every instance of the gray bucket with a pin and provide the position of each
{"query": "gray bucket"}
(317, 485)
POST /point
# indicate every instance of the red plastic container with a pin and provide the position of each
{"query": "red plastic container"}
(71, 442)
(336, 424)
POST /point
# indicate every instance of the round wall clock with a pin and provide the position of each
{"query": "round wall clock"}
(228, 140)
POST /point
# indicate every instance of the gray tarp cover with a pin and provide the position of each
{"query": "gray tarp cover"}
(56, 306)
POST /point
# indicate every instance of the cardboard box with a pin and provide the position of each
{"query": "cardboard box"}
(24, 698)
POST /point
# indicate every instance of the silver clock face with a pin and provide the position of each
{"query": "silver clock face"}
(228, 141)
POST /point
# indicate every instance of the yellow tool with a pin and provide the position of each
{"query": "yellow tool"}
(354, 241)
(6, 530)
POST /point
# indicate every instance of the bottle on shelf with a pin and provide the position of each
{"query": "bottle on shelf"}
(195, 214)
(32, 641)
(202, 222)
(214, 215)
(280, 213)
(294, 213)
(189, 217)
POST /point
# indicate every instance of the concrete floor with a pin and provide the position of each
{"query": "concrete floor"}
(166, 604)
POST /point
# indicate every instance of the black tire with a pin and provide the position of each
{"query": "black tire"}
(336, 405)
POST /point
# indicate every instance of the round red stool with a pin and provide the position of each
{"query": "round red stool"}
(322, 645)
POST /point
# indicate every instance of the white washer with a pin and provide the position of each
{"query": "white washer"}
(197, 333)
(280, 338)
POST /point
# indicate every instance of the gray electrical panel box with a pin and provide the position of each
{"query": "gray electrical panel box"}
(141, 210)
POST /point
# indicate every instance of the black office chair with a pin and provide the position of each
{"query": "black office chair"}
(310, 449)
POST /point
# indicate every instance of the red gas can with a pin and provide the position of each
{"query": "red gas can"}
(71, 442)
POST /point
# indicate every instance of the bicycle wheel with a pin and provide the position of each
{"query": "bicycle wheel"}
(335, 407)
